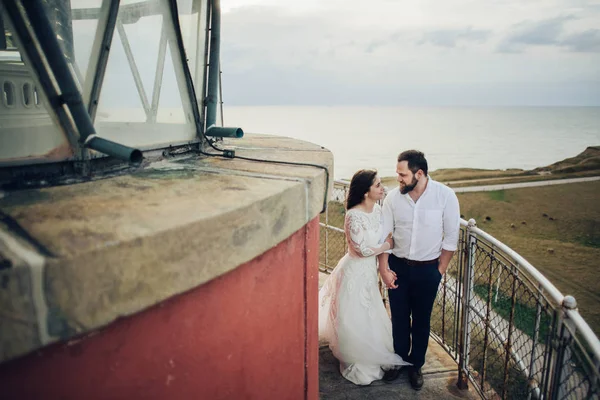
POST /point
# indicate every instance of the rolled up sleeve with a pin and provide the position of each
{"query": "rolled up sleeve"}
(451, 223)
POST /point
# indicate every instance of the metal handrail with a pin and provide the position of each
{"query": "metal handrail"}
(585, 331)
(580, 324)
(554, 293)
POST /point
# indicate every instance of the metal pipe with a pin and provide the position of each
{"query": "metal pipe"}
(201, 66)
(114, 149)
(213, 65)
(214, 78)
(70, 94)
(224, 132)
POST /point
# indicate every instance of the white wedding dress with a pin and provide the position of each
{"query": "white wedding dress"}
(352, 317)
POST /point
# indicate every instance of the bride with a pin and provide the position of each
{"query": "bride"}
(352, 317)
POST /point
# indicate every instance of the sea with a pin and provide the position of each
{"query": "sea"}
(450, 137)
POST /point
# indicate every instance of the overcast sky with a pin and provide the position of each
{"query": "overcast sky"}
(406, 52)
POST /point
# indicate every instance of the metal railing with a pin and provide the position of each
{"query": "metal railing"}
(511, 332)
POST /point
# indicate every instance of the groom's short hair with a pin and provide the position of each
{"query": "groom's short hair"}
(416, 160)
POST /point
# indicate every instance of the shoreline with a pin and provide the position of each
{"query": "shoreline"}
(585, 164)
(390, 181)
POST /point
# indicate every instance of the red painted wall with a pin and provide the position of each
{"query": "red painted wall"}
(250, 334)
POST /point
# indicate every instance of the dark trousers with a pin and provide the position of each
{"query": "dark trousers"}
(412, 299)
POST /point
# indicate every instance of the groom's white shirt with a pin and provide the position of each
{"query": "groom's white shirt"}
(422, 229)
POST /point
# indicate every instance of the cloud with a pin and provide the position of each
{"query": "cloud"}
(451, 37)
(277, 55)
(585, 42)
(388, 39)
(534, 33)
(549, 32)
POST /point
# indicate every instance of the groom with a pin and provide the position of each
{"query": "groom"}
(423, 216)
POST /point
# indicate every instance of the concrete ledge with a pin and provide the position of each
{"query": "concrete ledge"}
(113, 247)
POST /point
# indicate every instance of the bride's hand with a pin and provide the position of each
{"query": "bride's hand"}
(390, 241)
(389, 279)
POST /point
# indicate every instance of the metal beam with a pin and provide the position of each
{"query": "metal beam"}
(134, 70)
(99, 58)
(160, 67)
(181, 62)
(178, 57)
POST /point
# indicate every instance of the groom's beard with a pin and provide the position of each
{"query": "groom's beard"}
(404, 188)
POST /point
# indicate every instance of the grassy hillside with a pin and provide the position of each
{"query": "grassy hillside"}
(450, 174)
(556, 228)
(586, 163)
(589, 160)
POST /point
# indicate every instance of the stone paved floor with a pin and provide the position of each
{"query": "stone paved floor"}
(439, 373)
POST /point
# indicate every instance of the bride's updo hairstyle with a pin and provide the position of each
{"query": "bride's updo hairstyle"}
(359, 185)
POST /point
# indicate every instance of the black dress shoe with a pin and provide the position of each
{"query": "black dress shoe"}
(391, 375)
(415, 376)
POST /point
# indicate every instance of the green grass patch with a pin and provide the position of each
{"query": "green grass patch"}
(589, 234)
(498, 195)
(524, 316)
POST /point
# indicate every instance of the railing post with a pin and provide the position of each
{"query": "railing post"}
(327, 238)
(533, 365)
(562, 367)
(465, 329)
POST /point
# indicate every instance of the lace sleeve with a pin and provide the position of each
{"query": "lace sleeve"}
(355, 231)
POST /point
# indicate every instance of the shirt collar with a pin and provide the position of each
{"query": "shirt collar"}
(427, 190)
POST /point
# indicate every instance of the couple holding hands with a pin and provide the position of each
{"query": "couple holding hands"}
(420, 222)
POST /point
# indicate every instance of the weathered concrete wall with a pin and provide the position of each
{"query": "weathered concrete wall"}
(74, 258)
(248, 334)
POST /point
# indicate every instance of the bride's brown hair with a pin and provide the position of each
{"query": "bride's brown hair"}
(359, 185)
